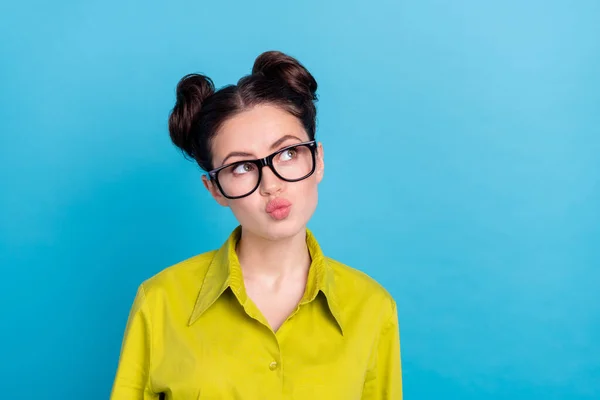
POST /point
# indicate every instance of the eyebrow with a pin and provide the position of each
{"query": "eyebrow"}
(275, 145)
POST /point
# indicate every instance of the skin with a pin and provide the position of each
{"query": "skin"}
(273, 254)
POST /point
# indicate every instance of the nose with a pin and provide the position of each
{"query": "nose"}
(270, 184)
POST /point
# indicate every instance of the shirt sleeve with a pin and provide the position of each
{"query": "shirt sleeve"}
(384, 379)
(132, 377)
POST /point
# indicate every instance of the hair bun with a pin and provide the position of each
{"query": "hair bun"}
(277, 65)
(192, 92)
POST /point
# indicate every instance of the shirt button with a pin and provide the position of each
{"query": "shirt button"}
(273, 366)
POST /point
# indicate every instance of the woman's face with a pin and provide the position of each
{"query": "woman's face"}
(259, 132)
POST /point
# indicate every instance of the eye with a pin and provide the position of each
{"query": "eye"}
(243, 168)
(288, 155)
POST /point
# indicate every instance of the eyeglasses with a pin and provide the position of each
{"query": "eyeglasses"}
(241, 178)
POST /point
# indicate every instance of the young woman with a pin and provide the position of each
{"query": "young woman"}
(266, 316)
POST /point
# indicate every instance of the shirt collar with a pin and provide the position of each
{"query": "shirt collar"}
(225, 272)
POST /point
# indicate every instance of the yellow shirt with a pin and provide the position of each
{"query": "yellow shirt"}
(193, 333)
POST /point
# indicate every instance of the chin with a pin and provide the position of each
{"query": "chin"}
(270, 229)
(283, 229)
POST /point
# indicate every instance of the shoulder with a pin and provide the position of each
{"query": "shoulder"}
(356, 290)
(183, 279)
(358, 282)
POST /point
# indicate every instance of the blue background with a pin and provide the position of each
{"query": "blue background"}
(462, 148)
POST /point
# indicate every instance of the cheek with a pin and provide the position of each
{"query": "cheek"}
(306, 193)
(247, 208)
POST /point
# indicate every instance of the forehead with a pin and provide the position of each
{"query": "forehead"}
(254, 131)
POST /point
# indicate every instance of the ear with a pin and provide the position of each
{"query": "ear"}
(214, 191)
(319, 159)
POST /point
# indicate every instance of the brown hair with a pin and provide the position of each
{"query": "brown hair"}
(199, 111)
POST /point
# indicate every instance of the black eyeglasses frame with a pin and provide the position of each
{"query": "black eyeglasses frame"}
(265, 162)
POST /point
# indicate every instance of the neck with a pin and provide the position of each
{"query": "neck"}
(273, 260)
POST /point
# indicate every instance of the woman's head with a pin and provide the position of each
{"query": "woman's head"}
(267, 111)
